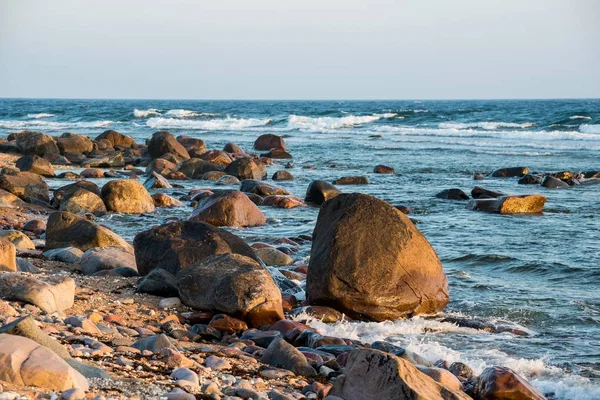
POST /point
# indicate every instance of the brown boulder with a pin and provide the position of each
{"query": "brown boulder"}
(501, 383)
(247, 168)
(320, 191)
(369, 261)
(283, 201)
(82, 202)
(26, 185)
(163, 142)
(384, 169)
(92, 173)
(283, 175)
(195, 168)
(163, 200)
(228, 208)
(269, 141)
(116, 139)
(76, 144)
(8, 254)
(510, 172)
(261, 188)
(195, 147)
(161, 166)
(35, 164)
(66, 191)
(525, 204)
(29, 142)
(126, 196)
(217, 157)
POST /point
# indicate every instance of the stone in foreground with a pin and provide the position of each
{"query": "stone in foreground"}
(369, 261)
(526, 204)
(281, 354)
(56, 295)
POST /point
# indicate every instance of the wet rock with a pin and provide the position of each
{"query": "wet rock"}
(18, 238)
(76, 144)
(373, 375)
(510, 172)
(26, 185)
(269, 141)
(443, 377)
(525, 204)
(461, 370)
(452, 194)
(163, 200)
(8, 256)
(479, 192)
(195, 168)
(215, 176)
(352, 180)
(92, 173)
(369, 261)
(217, 157)
(69, 255)
(290, 330)
(159, 282)
(478, 176)
(277, 154)
(281, 354)
(28, 363)
(504, 383)
(156, 181)
(55, 295)
(325, 314)
(246, 168)
(261, 188)
(383, 169)
(228, 180)
(234, 149)
(195, 147)
(283, 175)
(68, 230)
(232, 284)
(117, 139)
(553, 183)
(272, 256)
(36, 165)
(161, 166)
(82, 202)
(178, 245)
(163, 142)
(126, 196)
(283, 201)
(111, 160)
(107, 258)
(320, 191)
(29, 142)
(228, 208)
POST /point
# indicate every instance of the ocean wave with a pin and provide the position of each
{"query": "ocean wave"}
(489, 125)
(180, 113)
(211, 124)
(53, 126)
(580, 117)
(145, 113)
(40, 115)
(590, 128)
(324, 123)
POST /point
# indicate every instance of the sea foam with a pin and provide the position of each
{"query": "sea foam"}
(53, 126)
(489, 125)
(145, 113)
(40, 115)
(590, 128)
(325, 123)
(211, 124)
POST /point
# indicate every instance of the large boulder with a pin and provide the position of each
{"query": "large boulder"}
(65, 229)
(228, 208)
(195, 168)
(369, 261)
(525, 204)
(161, 166)
(178, 245)
(56, 295)
(26, 363)
(107, 258)
(83, 201)
(510, 172)
(75, 144)
(117, 139)
(195, 147)
(504, 383)
(373, 375)
(64, 192)
(26, 185)
(37, 143)
(233, 284)
(126, 196)
(163, 142)
(269, 141)
(320, 191)
(36, 165)
(246, 168)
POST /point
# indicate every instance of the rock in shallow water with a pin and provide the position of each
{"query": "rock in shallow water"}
(127, 196)
(501, 383)
(228, 208)
(320, 191)
(526, 204)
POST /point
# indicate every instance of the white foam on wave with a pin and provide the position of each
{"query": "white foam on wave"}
(580, 117)
(53, 126)
(326, 123)
(145, 113)
(40, 115)
(489, 125)
(422, 336)
(590, 128)
(180, 113)
(227, 123)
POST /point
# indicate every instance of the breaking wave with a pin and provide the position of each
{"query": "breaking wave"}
(590, 128)
(211, 124)
(145, 113)
(489, 125)
(324, 123)
(580, 117)
(40, 115)
(53, 126)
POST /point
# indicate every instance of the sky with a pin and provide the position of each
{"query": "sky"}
(326, 49)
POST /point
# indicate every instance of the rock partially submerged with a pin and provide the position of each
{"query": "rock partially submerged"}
(525, 204)
(127, 196)
(228, 208)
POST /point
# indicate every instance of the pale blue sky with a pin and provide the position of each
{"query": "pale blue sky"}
(273, 49)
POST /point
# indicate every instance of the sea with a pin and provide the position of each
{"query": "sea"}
(538, 273)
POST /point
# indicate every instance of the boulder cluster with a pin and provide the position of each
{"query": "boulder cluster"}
(188, 309)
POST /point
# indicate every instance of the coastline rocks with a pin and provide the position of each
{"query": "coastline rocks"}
(126, 196)
(29, 142)
(28, 363)
(369, 261)
(195, 147)
(232, 284)
(117, 139)
(107, 258)
(278, 153)
(18, 238)
(156, 181)
(372, 375)
(228, 180)
(26, 185)
(320, 191)
(504, 383)
(269, 141)
(36, 165)
(525, 204)
(65, 229)
(246, 168)
(551, 182)
(82, 202)
(383, 169)
(56, 295)
(452, 194)
(281, 354)
(163, 200)
(195, 168)
(217, 157)
(8, 256)
(352, 180)
(283, 201)
(92, 173)
(163, 142)
(479, 192)
(514, 172)
(71, 143)
(283, 175)
(215, 176)
(228, 208)
(261, 188)
(66, 191)
(178, 245)
(161, 166)
(9, 200)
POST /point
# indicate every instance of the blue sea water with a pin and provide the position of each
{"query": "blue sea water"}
(539, 272)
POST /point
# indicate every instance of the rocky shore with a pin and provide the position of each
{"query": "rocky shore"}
(189, 309)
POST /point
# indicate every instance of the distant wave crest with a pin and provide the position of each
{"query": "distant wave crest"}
(489, 125)
(145, 113)
(580, 117)
(211, 124)
(53, 126)
(40, 115)
(321, 123)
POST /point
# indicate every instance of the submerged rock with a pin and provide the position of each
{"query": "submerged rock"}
(452, 194)
(510, 172)
(553, 183)
(383, 169)
(269, 141)
(352, 180)
(479, 192)
(283, 175)
(369, 261)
